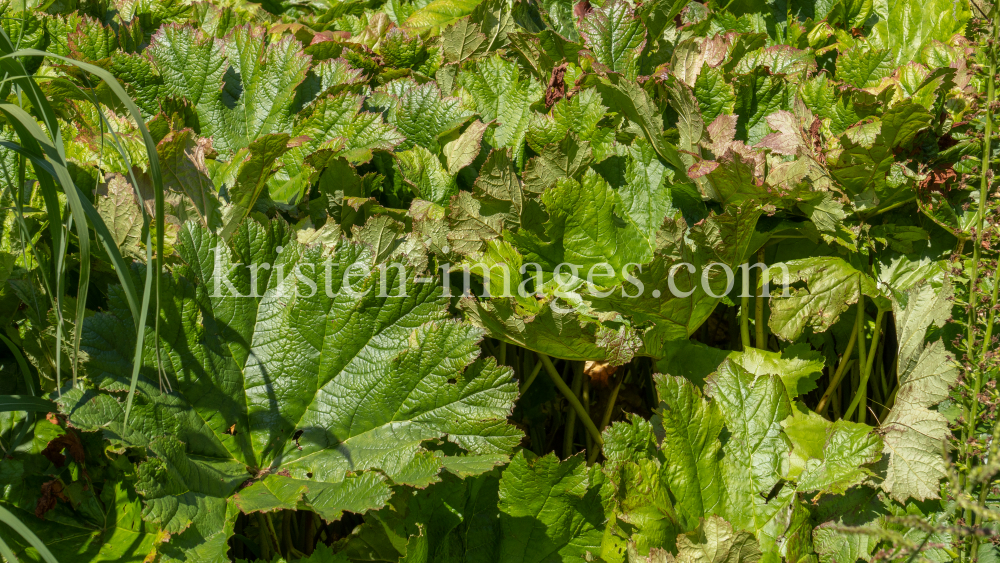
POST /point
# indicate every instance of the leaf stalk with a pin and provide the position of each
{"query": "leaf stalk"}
(861, 392)
(759, 305)
(845, 363)
(568, 393)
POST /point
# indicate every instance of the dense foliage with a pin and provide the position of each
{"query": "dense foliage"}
(616, 397)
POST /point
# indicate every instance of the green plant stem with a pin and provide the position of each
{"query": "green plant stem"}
(988, 335)
(890, 208)
(972, 413)
(984, 491)
(876, 372)
(838, 400)
(586, 405)
(860, 327)
(745, 320)
(984, 184)
(884, 385)
(273, 534)
(759, 305)
(570, 428)
(839, 374)
(995, 441)
(503, 353)
(861, 392)
(888, 404)
(531, 377)
(565, 390)
(265, 536)
(286, 530)
(855, 380)
(309, 540)
(606, 418)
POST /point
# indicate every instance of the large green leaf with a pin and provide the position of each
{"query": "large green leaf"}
(324, 416)
(646, 193)
(673, 296)
(586, 230)
(250, 169)
(581, 115)
(552, 511)
(422, 114)
(427, 176)
(538, 510)
(797, 365)
(116, 202)
(631, 101)
(906, 26)
(440, 13)
(336, 124)
(832, 285)
(616, 37)
(457, 520)
(715, 95)
(756, 452)
(779, 59)
(502, 96)
(717, 542)
(861, 511)
(758, 94)
(643, 506)
(726, 455)
(864, 68)
(865, 163)
(191, 190)
(190, 62)
(691, 448)
(241, 87)
(913, 432)
(261, 104)
(556, 331)
(495, 204)
(830, 456)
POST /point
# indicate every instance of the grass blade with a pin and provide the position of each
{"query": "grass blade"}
(6, 552)
(26, 403)
(21, 363)
(14, 71)
(9, 519)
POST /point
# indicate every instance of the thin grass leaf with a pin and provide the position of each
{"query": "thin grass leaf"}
(28, 130)
(33, 146)
(97, 222)
(10, 66)
(155, 174)
(26, 403)
(9, 519)
(6, 552)
(21, 363)
(29, 383)
(22, 233)
(140, 329)
(31, 151)
(60, 263)
(133, 112)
